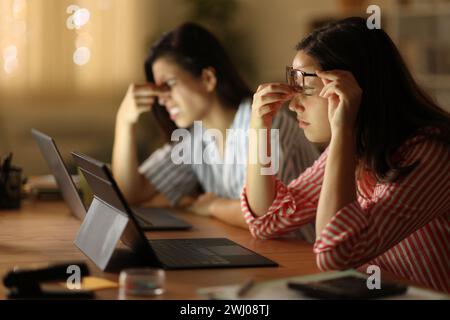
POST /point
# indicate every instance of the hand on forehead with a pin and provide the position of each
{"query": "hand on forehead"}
(150, 89)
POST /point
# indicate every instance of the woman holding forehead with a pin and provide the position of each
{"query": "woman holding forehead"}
(193, 85)
(380, 191)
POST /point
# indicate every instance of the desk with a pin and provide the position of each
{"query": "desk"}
(43, 232)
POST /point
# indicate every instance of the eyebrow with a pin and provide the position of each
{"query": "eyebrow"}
(163, 80)
(310, 74)
(302, 68)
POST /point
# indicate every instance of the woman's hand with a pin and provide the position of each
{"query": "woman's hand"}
(267, 100)
(202, 205)
(344, 97)
(138, 99)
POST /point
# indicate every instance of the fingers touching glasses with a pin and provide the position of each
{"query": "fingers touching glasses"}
(296, 79)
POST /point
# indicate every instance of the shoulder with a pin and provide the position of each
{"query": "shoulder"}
(246, 104)
(242, 117)
(423, 147)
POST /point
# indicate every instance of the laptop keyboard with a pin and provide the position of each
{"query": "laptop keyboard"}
(143, 222)
(183, 252)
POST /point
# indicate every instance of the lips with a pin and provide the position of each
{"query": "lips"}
(302, 124)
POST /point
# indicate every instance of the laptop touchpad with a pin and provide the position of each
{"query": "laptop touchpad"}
(230, 250)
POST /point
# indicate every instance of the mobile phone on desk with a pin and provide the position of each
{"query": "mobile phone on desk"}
(348, 287)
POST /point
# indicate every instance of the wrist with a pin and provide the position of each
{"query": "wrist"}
(342, 132)
(124, 129)
(343, 144)
(212, 208)
(123, 122)
(257, 122)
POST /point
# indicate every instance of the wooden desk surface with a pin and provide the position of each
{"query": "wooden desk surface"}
(43, 232)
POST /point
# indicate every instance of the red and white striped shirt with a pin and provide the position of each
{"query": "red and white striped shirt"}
(403, 227)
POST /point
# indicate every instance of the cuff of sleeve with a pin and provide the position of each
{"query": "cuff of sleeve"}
(172, 197)
(282, 198)
(346, 223)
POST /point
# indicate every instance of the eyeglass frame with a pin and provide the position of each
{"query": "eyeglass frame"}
(290, 70)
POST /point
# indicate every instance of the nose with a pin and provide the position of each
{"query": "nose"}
(164, 98)
(296, 105)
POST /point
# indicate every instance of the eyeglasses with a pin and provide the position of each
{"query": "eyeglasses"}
(296, 79)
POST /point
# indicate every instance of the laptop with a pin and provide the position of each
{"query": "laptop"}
(148, 218)
(166, 253)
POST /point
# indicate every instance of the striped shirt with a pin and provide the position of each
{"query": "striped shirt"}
(227, 179)
(402, 227)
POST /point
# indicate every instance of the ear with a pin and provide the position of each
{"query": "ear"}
(209, 79)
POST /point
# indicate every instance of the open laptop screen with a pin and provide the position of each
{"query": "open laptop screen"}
(56, 164)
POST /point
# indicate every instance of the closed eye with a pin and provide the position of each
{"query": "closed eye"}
(170, 83)
(309, 91)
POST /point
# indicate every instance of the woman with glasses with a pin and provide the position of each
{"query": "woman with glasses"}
(193, 89)
(380, 192)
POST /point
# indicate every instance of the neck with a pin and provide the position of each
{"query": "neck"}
(219, 117)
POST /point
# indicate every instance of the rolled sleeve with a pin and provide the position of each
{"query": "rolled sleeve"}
(281, 218)
(294, 206)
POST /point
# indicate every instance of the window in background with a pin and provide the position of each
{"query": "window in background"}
(70, 46)
(64, 66)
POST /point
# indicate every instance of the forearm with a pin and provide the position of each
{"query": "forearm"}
(260, 184)
(260, 188)
(125, 164)
(339, 186)
(229, 211)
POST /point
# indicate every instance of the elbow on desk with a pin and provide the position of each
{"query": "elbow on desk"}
(136, 198)
(256, 232)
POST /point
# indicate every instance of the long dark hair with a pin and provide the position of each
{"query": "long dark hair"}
(194, 48)
(393, 107)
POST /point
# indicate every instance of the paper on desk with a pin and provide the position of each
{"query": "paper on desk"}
(95, 284)
(48, 181)
(278, 289)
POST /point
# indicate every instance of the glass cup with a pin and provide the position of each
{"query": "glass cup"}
(141, 282)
